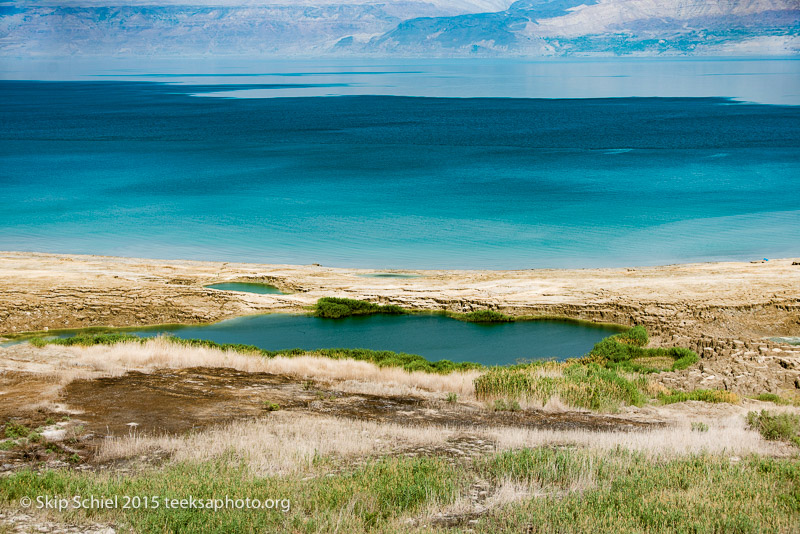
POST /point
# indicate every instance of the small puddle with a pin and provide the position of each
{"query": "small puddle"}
(247, 287)
(433, 336)
(390, 275)
(788, 340)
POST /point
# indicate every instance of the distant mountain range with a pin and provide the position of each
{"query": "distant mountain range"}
(400, 27)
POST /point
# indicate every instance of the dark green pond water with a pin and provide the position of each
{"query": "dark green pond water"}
(247, 287)
(435, 337)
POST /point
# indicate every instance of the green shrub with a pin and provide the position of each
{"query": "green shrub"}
(502, 405)
(451, 397)
(38, 342)
(271, 406)
(15, 430)
(699, 427)
(335, 308)
(776, 427)
(635, 336)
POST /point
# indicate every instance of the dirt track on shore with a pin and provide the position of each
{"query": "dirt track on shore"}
(722, 310)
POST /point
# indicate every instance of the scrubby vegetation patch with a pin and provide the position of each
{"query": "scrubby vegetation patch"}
(776, 426)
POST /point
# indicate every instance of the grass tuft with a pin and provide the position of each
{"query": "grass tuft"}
(777, 399)
(582, 386)
(704, 395)
(483, 316)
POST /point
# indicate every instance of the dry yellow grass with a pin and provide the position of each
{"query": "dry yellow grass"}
(287, 442)
(157, 353)
(284, 443)
(728, 435)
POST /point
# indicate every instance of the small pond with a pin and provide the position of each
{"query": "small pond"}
(247, 287)
(436, 337)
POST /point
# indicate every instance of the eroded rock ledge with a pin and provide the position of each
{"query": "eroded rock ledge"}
(724, 311)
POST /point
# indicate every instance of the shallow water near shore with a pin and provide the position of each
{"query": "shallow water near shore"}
(390, 275)
(435, 337)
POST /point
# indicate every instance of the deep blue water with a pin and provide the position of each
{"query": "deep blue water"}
(433, 336)
(146, 169)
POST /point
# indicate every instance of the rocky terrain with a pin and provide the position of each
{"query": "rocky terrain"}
(724, 311)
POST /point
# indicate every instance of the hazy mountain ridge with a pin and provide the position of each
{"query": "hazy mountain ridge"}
(176, 29)
(404, 27)
(608, 26)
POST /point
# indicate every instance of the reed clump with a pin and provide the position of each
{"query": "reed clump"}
(577, 385)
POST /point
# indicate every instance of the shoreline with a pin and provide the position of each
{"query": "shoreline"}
(723, 311)
(114, 282)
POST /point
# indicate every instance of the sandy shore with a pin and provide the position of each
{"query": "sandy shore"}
(722, 310)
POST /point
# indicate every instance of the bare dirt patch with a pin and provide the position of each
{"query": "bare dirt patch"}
(178, 401)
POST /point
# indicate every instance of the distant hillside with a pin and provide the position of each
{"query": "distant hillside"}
(618, 27)
(400, 27)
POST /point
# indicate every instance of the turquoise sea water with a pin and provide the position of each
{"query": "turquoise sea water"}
(106, 163)
(433, 336)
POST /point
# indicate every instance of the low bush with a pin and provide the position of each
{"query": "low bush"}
(15, 430)
(271, 406)
(776, 427)
(502, 405)
(336, 308)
